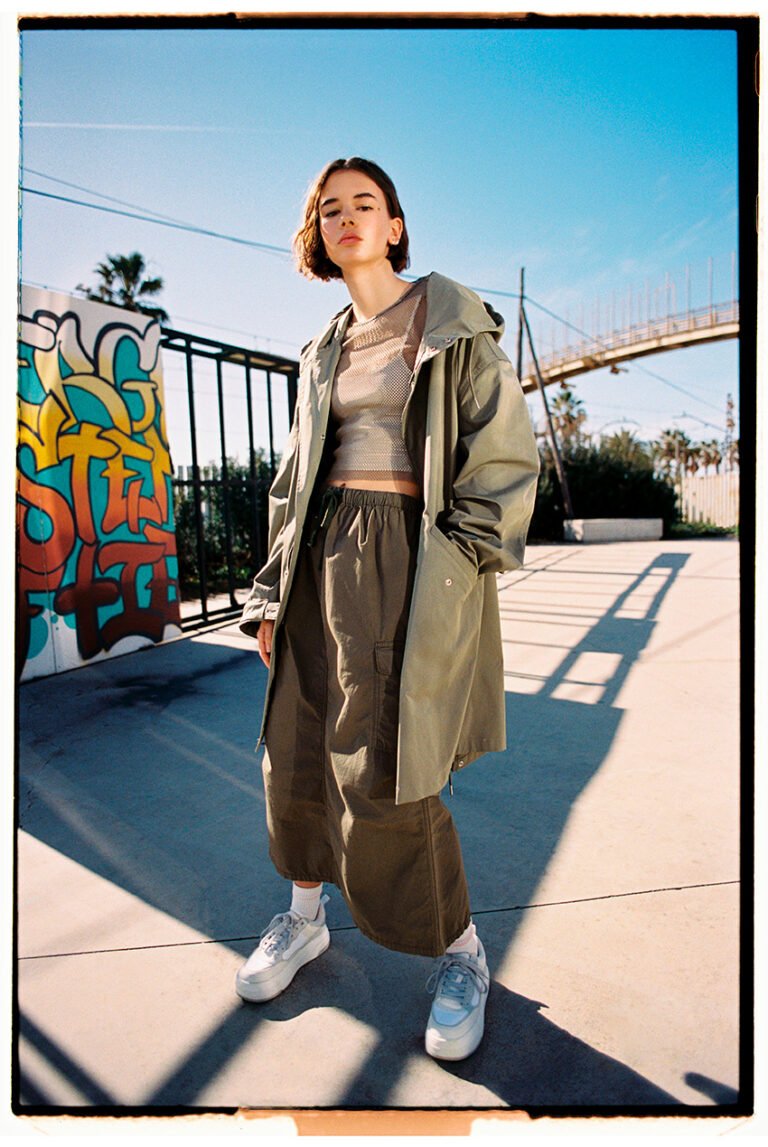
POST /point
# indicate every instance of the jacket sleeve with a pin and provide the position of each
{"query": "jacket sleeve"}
(264, 598)
(494, 488)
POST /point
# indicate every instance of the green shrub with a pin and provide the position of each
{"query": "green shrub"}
(601, 485)
(702, 530)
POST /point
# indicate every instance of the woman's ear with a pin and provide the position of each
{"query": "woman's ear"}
(395, 232)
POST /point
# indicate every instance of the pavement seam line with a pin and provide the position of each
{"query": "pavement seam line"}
(352, 927)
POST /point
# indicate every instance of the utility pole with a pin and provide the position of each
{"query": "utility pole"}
(560, 469)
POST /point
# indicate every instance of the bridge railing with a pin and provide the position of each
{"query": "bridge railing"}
(702, 318)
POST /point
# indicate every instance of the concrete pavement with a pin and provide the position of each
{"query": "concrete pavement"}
(602, 850)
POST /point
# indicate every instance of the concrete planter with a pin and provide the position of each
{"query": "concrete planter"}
(612, 529)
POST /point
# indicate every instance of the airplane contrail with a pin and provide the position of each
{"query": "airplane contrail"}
(138, 126)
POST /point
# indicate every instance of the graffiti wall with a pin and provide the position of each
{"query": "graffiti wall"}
(97, 570)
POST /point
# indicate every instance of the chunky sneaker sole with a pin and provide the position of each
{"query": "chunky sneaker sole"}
(462, 1041)
(276, 979)
(287, 944)
(461, 984)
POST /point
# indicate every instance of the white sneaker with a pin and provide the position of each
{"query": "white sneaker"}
(287, 943)
(456, 1023)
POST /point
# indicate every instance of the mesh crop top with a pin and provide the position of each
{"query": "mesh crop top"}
(370, 389)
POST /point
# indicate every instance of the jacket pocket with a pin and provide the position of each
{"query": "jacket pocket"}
(465, 569)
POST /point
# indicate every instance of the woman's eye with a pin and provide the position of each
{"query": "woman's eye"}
(335, 211)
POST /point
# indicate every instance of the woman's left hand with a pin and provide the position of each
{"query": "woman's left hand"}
(264, 638)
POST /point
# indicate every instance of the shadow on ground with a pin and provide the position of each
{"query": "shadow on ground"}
(541, 1067)
(142, 770)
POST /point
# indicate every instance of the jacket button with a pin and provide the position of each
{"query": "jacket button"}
(449, 581)
(460, 764)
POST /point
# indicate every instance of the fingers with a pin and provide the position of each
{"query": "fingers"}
(264, 638)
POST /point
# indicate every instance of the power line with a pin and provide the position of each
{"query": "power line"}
(167, 221)
(491, 291)
(159, 217)
(101, 195)
(675, 386)
(268, 247)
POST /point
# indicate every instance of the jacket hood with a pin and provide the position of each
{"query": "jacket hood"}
(453, 311)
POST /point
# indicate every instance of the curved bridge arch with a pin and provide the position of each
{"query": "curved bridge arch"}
(707, 324)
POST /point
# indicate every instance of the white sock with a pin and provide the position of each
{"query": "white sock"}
(306, 901)
(466, 942)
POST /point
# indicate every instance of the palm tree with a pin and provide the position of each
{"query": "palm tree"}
(568, 417)
(711, 455)
(122, 285)
(693, 457)
(674, 446)
(625, 447)
(658, 458)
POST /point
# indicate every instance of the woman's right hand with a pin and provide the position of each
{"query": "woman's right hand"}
(264, 638)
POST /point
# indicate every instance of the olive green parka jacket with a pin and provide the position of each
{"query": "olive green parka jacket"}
(468, 433)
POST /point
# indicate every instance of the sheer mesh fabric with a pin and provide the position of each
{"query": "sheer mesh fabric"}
(371, 387)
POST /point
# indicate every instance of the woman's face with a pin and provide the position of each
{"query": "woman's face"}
(355, 223)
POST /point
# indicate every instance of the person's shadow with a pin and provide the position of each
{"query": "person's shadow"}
(174, 812)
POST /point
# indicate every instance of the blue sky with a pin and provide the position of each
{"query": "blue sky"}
(599, 159)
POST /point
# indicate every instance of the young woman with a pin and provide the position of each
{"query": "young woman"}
(407, 484)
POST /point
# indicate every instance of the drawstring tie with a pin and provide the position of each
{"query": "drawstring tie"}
(329, 504)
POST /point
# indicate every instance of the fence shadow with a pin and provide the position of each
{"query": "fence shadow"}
(141, 769)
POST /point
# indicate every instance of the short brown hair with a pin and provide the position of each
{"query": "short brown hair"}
(308, 247)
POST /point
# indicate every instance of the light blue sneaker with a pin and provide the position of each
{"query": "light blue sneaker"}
(456, 1023)
(288, 942)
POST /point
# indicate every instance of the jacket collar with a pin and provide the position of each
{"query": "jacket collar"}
(453, 311)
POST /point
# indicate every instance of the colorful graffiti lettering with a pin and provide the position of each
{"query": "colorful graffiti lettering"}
(96, 542)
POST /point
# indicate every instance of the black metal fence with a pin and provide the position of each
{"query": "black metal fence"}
(220, 505)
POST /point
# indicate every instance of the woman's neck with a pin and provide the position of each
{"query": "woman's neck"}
(373, 290)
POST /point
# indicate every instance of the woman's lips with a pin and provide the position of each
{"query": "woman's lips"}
(350, 239)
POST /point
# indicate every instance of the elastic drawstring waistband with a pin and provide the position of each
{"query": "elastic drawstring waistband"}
(329, 504)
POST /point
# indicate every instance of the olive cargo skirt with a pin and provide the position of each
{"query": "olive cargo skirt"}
(331, 734)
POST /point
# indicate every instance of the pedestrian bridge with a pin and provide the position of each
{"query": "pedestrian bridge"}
(670, 332)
